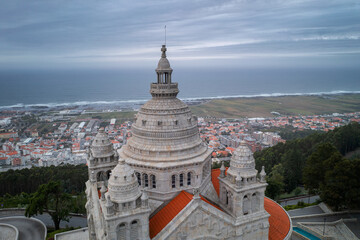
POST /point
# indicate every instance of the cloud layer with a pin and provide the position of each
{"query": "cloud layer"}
(68, 33)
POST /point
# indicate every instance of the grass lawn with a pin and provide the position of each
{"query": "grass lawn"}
(286, 105)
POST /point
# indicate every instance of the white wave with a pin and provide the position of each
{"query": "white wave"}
(189, 99)
(71, 104)
(272, 95)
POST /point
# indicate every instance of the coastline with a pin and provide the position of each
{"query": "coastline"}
(134, 105)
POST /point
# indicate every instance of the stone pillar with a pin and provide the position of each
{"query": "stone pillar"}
(222, 170)
(262, 175)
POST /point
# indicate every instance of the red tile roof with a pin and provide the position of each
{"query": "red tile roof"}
(168, 212)
(279, 221)
(215, 173)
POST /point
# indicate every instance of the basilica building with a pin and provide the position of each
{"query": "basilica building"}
(160, 185)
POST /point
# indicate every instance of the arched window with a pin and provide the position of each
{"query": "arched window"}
(134, 230)
(108, 174)
(153, 181)
(146, 180)
(255, 202)
(246, 205)
(102, 176)
(138, 202)
(189, 178)
(173, 181)
(227, 197)
(121, 231)
(181, 180)
(138, 175)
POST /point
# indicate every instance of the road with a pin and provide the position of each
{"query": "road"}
(29, 229)
(75, 221)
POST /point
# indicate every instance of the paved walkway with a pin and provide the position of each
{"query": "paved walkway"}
(305, 211)
(29, 229)
(294, 201)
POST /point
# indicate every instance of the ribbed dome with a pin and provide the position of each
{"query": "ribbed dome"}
(123, 185)
(164, 64)
(101, 145)
(165, 130)
(242, 161)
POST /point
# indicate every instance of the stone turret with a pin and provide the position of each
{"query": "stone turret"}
(102, 158)
(241, 192)
(123, 186)
(242, 162)
(126, 211)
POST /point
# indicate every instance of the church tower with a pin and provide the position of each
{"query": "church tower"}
(242, 193)
(102, 158)
(165, 149)
(125, 208)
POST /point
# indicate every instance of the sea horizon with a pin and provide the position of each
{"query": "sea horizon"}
(26, 90)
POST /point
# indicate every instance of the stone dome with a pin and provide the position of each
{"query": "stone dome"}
(165, 139)
(164, 130)
(242, 161)
(101, 145)
(123, 185)
(164, 64)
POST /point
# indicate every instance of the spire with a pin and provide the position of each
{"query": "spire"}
(262, 174)
(163, 64)
(163, 50)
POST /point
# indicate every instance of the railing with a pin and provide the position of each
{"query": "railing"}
(163, 86)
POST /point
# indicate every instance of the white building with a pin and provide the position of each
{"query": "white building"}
(160, 185)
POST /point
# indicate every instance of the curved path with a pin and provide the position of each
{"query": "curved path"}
(29, 228)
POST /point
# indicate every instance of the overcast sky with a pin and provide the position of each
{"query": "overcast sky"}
(123, 34)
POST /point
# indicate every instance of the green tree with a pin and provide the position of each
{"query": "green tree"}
(342, 185)
(275, 182)
(293, 164)
(51, 199)
(315, 168)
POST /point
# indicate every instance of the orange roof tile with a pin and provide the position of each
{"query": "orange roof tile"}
(279, 221)
(168, 212)
(215, 173)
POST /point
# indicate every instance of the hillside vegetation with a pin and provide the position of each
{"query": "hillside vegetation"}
(316, 161)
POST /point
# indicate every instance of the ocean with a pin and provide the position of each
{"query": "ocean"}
(125, 88)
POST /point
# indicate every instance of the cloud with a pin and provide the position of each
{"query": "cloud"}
(73, 31)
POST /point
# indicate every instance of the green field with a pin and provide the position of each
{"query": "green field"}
(259, 107)
(120, 116)
(287, 105)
